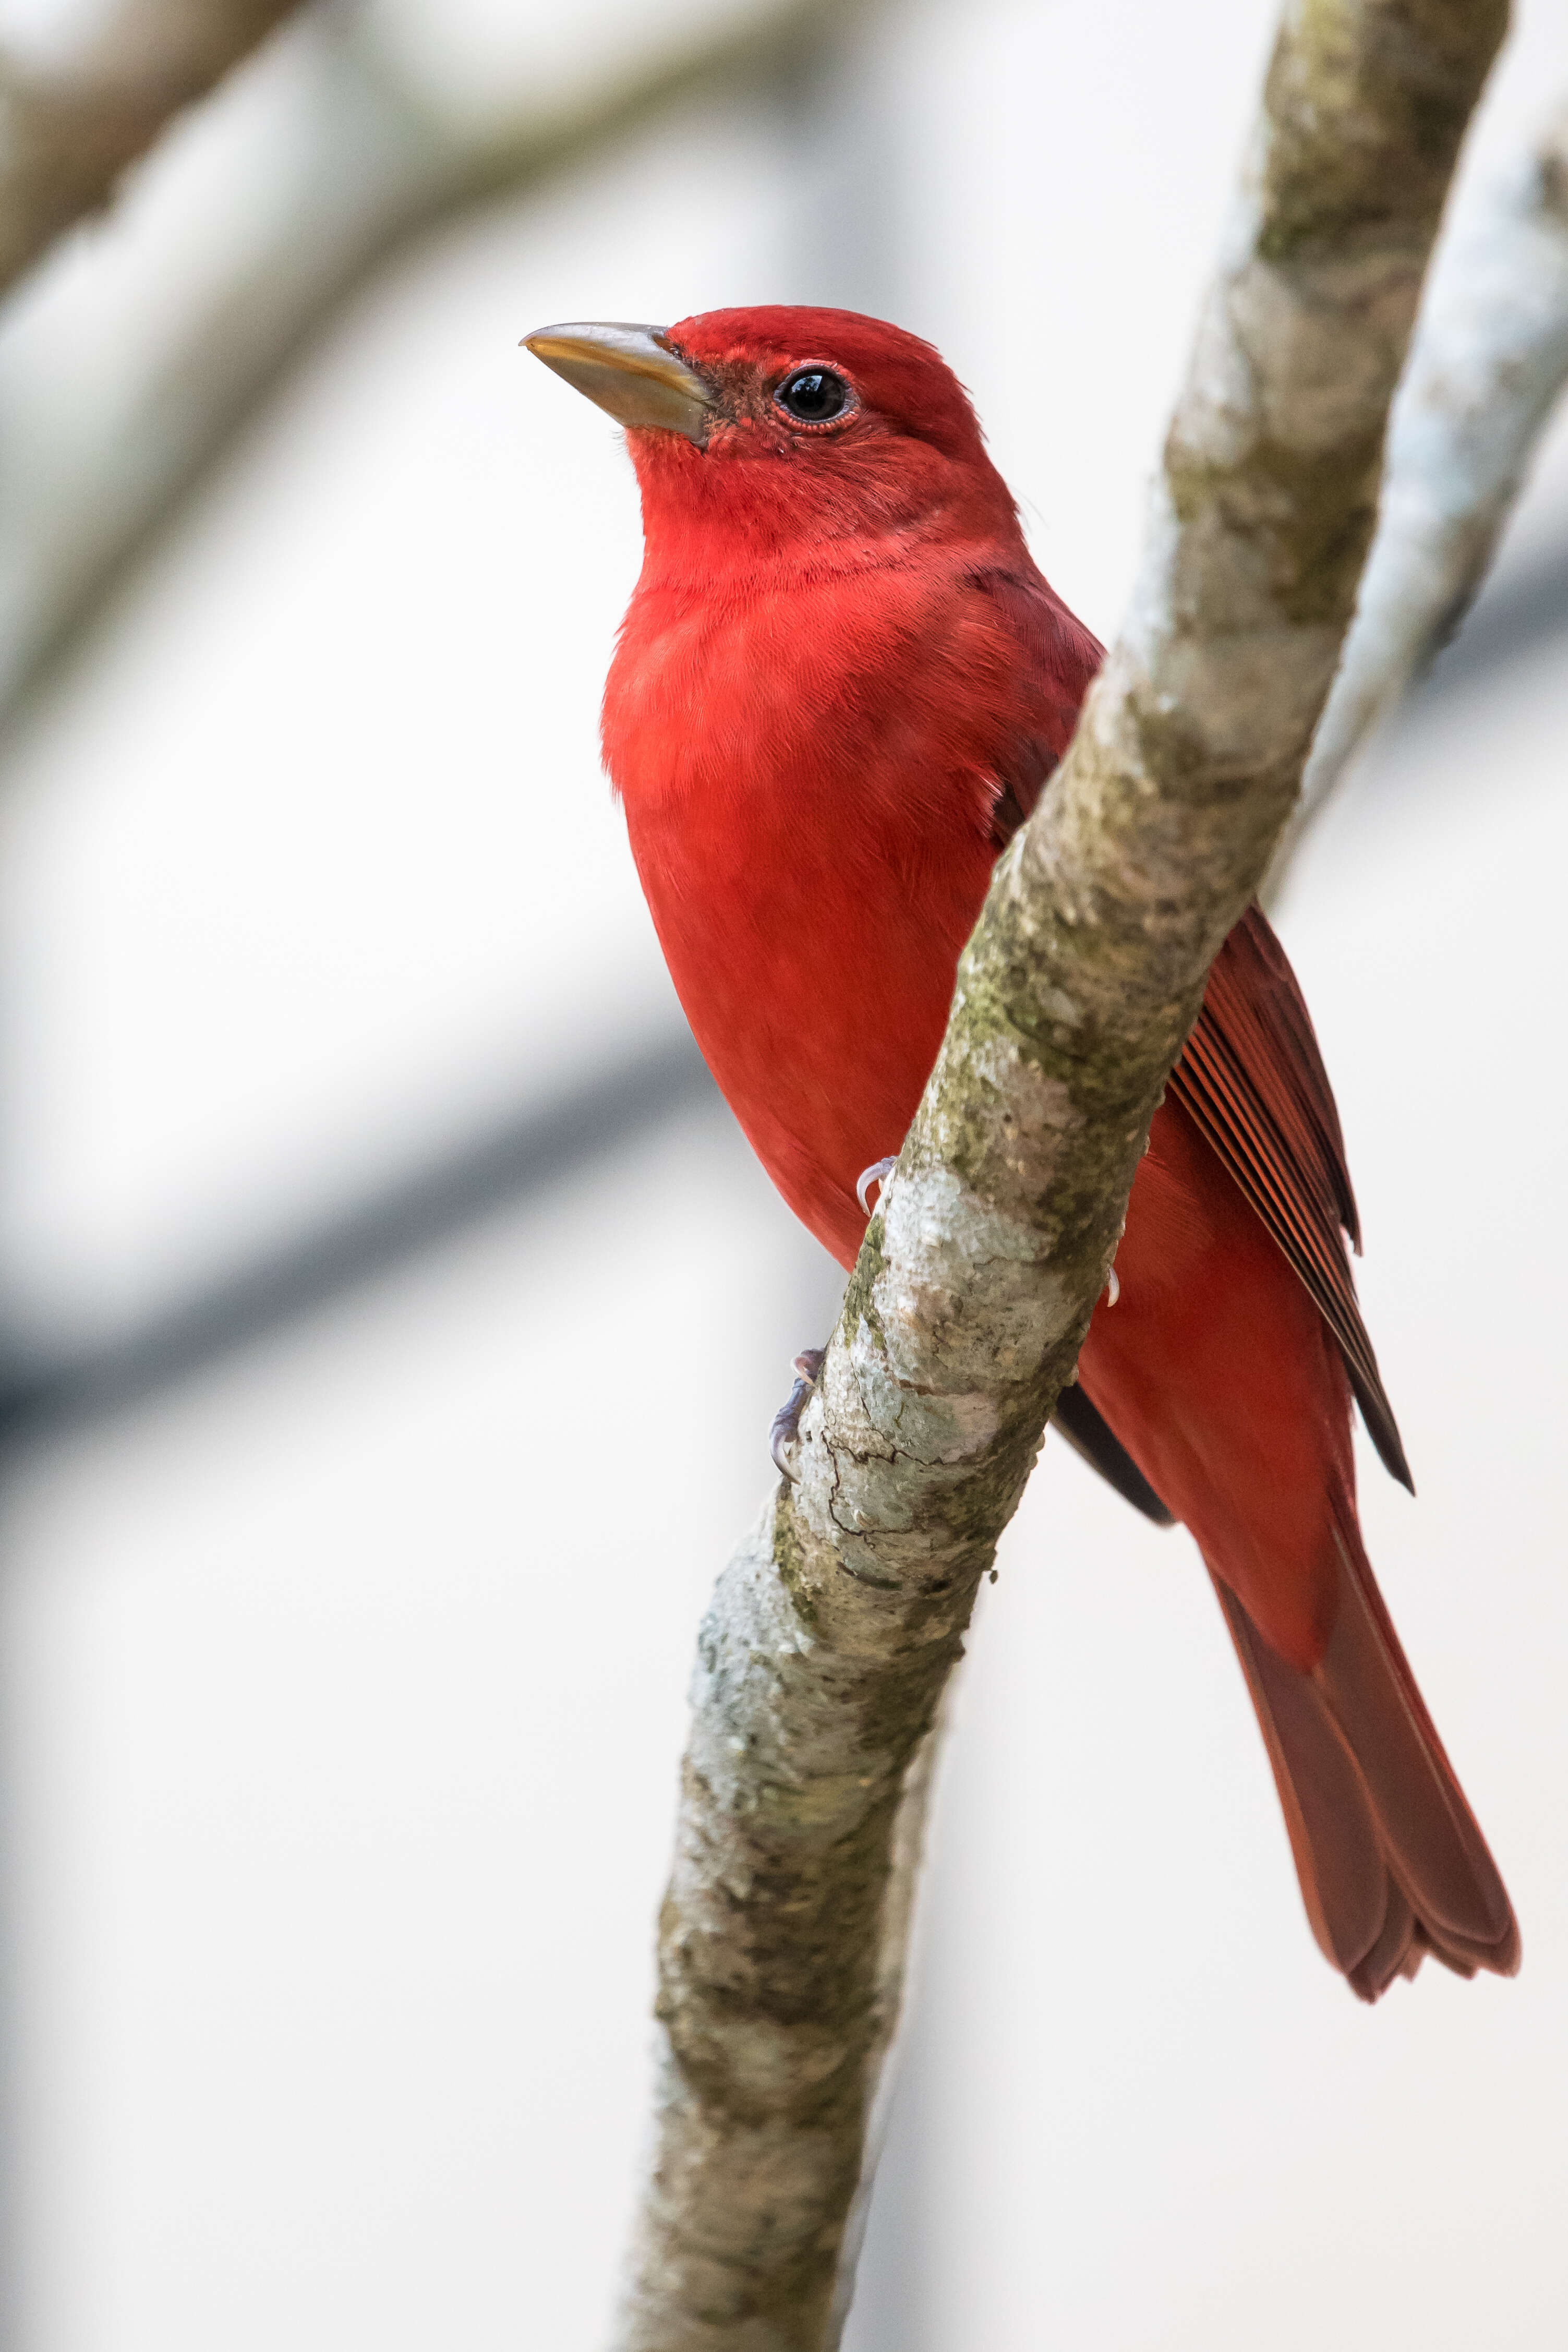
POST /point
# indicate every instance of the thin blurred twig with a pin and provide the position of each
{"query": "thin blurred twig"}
(69, 129)
(1487, 366)
(546, 1140)
(833, 1632)
(386, 170)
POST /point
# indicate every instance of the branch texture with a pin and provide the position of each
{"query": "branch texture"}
(833, 1632)
(1488, 363)
(69, 129)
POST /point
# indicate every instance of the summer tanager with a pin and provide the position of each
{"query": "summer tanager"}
(838, 690)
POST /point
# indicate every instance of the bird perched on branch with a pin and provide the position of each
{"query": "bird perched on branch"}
(838, 691)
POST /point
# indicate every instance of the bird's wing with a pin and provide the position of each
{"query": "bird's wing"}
(1252, 1078)
(1057, 658)
(1251, 1075)
(1019, 784)
(1088, 1433)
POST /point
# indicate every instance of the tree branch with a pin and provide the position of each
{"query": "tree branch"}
(1489, 362)
(384, 172)
(69, 129)
(833, 1632)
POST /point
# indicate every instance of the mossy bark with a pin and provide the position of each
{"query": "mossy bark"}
(832, 1633)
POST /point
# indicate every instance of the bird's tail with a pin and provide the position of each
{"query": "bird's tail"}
(1391, 1861)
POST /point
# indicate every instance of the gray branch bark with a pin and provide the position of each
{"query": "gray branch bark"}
(833, 1632)
(1487, 367)
(69, 129)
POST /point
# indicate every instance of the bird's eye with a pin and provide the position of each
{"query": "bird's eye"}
(813, 396)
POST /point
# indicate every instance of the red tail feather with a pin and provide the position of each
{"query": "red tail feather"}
(1390, 1860)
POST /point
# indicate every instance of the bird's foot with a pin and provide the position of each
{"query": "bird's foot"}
(877, 1173)
(782, 1436)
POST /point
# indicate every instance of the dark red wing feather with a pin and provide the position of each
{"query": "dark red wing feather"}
(1253, 1078)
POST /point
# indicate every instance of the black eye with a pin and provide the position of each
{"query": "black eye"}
(813, 396)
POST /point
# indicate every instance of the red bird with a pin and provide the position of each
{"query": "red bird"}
(837, 692)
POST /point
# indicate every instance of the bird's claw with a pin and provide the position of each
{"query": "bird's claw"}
(877, 1173)
(782, 1436)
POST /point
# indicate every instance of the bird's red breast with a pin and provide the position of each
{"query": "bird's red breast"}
(840, 686)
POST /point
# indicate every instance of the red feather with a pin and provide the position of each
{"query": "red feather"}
(840, 685)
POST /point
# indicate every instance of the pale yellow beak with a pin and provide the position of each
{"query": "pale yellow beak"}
(629, 371)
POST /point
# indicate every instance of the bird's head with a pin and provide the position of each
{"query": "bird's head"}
(786, 431)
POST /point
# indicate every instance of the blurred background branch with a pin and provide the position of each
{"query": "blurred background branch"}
(71, 126)
(375, 162)
(1485, 372)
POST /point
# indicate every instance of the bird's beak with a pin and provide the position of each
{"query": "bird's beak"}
(631, 371)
